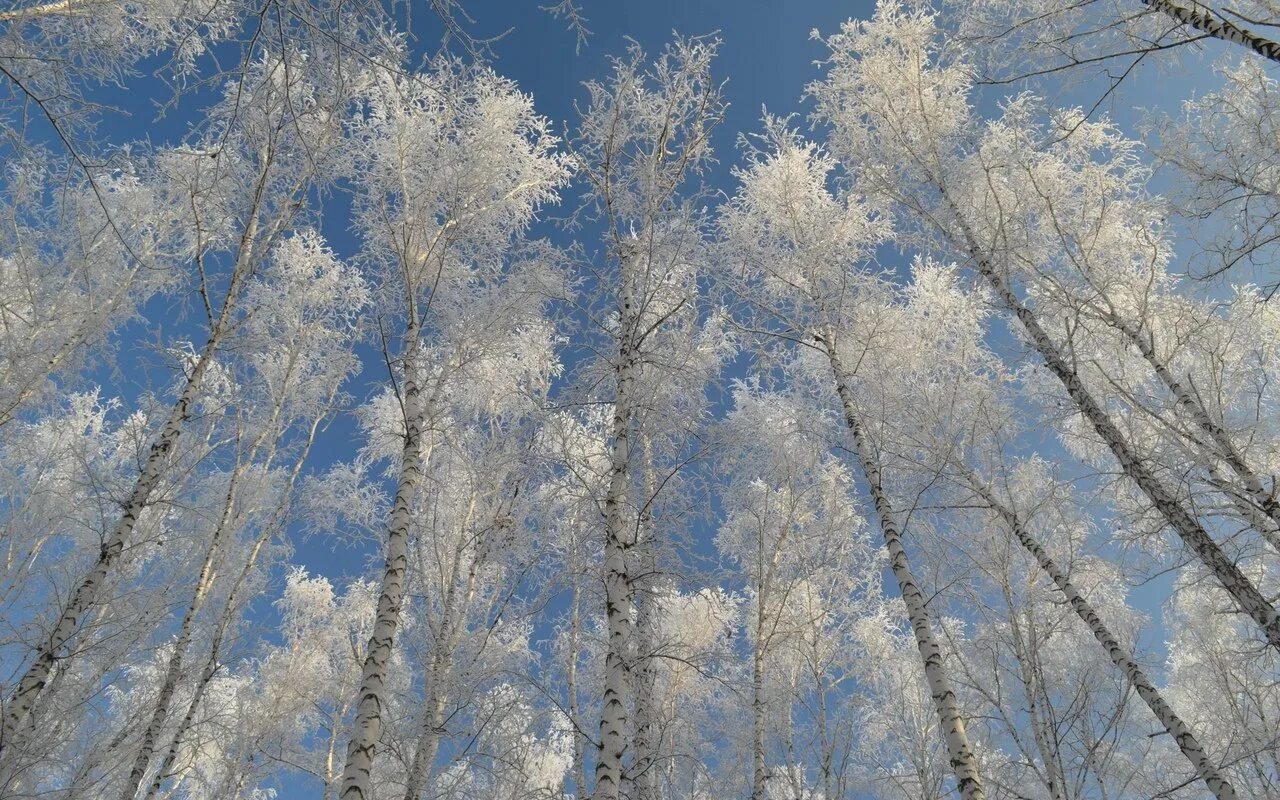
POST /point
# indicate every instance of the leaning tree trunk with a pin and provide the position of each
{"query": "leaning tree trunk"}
(618, 587)
(366, 729)
(174, 669)
(204, 582)
(1200, 18)
(1177, 729)
(32, 684)
(249, 248)
(1189, 529)
(963, 761)
(1225, 449)
(269, 528)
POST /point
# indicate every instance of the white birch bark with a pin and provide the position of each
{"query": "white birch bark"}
(645, 770)
(759, 771)
(1031, 682)
(173, 670)
(963, 762)
(32, 684)
(1119, 655)
(1198, 16)
(1226, 449)
(366, 729)
(571, 689)
(768, 555)
(1188, 528)
(249, 249)
(435, 696)
(204, 582)
(826, 763)
(269, 529)
(617, 576)
(55, 8)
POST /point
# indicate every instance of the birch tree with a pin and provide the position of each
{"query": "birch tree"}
(307, 305)
(806, 252)
(451, 164)
(643, 141)
(792, 527)
(263, 181)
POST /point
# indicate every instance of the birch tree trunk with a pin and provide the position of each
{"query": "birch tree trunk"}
(1189, 529)
(963, 761)
(767, 558)
(366, 729)
(1199, 17)
(1173, 724)
(248, 250)
(32, 684)
(1226, 449)
(204, 582)
(1054, 780)
(174, 669)
(645, 770)
(269, 529)
(759, 772)
(571, 688)
(617, 575)
(826, 764)
(436, 691)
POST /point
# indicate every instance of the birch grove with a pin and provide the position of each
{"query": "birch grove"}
(407, 403)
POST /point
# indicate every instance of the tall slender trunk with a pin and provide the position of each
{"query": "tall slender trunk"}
(204, 582)
(963, 762)
(1221, 441)
(1031, 682)
(645, 770)
(366, 729)
(435, 696)
(571, 689)
(1199, 17)
(794, 771)
(1189, 529)
(618, 588)
(1173, 724)
(759, 771)
(32, 684)
(174, 670)
(248, 250)
(224, 621)
(826, 763)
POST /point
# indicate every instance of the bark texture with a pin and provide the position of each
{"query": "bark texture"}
(963, 762)
(1199, 17)
(1119, 655)
(617, 579)
(366, 729)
